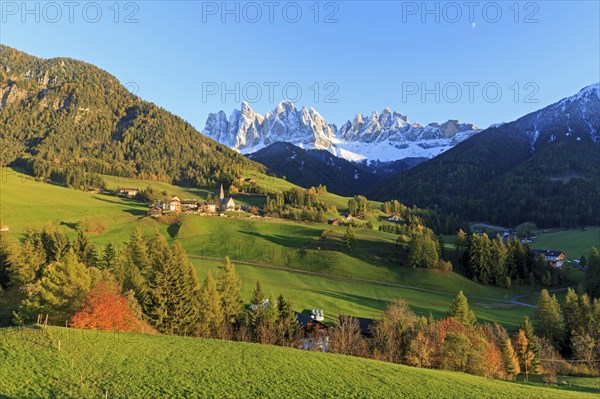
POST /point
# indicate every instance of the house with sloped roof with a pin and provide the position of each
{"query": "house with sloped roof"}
(313, 333)
(554, 258)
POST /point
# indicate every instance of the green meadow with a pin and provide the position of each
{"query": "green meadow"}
(574, 243)
(126, 365)
(305, 261)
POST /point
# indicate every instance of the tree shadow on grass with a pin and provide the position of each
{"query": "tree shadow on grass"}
(136, 212)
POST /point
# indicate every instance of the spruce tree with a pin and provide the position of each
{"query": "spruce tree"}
(349, 237)
(548, 319)
(5, 265)
(287, 321)
(138, 252)
(509, 358)
(523, 352)
(61, 290)
(211, 317)
(592, 274)
(109, 257)
(461, 311)
(257, 308)
(533, 346)
(84, 249)
(229, 285)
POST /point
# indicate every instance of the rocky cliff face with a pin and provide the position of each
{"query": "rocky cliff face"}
(388, 136)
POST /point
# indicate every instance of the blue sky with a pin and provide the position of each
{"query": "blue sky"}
(345, 57)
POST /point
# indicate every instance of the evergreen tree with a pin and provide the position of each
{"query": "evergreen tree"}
(592, 274)
(84, 249)
(137, 249)
(349, 237)
(229, 285)
(424, 251)
(61, 290)
(461, 311)
(26, 262)
(548, 318)
(54, 242)
(257, 305)
(211, 313)
(5, 265)
(287, 321)
(174, 292)
(509, 358)
(109, 257)
(532, 344)
(525, 355)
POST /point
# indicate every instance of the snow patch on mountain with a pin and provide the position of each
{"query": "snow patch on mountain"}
(385, 137)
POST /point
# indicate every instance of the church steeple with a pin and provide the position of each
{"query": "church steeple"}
(222, 194)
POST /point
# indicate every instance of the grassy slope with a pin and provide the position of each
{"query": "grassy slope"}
(573, 242)
(27, 203)
(142, 366)
(357, 298)
(24, 202)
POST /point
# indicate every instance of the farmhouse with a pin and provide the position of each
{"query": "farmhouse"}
(128, 192)
(190, 204)
(554, 258)
(314, 333)
(208, 207)
(171, 205)
(155, 210)
(225, 204)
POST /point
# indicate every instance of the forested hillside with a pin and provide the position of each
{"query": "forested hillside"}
(543, 168)
(70, 121)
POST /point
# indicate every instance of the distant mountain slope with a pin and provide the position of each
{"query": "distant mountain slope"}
(384, 137)
(543, 167)
(65, 118)
(313, 167)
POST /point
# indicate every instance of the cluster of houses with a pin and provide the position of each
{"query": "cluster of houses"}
(175, 205)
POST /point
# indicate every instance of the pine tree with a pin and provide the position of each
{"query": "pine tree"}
(109, 257)
(229, 285)
(592, 274)
(349, 237)
(137, 249)
(510, 359)
(26, 262)
(548, 318)
(61, 290)
(287, 321)
(525, 355)
(5, 265)
(532, 343)
(461, 311)
(174, 292)
(257, 305)
(84, 249)
(211, 317)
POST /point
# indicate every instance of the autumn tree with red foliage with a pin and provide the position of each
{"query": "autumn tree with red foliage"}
(107, 310)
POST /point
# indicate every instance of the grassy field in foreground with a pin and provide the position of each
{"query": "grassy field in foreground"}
(94, 364)
(574, 242)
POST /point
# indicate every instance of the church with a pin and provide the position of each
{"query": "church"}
(225, 204)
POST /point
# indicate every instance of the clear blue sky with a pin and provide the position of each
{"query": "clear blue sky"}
(372, 52)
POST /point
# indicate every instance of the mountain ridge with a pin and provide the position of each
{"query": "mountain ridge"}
(514, 172)
(384, 137)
